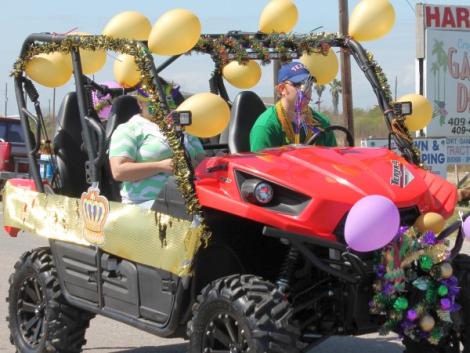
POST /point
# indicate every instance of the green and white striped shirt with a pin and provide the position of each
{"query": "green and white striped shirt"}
(141, 140)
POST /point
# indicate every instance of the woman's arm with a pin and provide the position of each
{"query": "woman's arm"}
(125, 169)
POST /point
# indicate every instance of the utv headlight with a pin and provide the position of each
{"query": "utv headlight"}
(257, 191)
(270, 195)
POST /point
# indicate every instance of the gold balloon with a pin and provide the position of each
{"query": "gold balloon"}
(92, 60)
(446, 270)
(242, 75)
(323, 67)
(278, 16)
(427, 323)
(371, 19)
(210, 114)
(129, 25)
(125, 70)
(175, 32)
(430, 221)
(50, 70)
(421, 111)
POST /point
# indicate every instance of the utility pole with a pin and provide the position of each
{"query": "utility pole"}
(6, 99)
(53, 104)
(276, 67)
(346, 69)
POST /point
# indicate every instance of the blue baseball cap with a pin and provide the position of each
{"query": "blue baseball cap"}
(294, 72)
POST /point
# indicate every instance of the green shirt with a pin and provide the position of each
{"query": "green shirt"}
(267, 131)
(141, 140)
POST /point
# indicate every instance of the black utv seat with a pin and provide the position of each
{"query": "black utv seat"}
(123, 108)
(246, 108)
(68, 148)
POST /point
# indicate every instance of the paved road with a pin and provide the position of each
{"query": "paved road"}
(107, 336)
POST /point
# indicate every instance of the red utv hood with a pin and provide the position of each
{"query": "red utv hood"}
(336, 178)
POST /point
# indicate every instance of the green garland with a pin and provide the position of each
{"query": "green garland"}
(398, 124)
(415, 289)
(244, 47)
(144, 62)
(381, 76)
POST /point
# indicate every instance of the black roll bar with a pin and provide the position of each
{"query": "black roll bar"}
(83, 104)
(87, 120)
(95, 159)
(24, 114)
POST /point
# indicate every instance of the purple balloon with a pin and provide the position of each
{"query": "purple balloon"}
(103, 113)
(466, 228)
(371, 224)
(411, 315)
(446, 304)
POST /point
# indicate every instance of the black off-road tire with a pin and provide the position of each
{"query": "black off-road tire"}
(39, 319)
(242, 313)
(461, 266)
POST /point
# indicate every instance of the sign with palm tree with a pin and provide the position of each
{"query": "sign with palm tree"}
(448, 82)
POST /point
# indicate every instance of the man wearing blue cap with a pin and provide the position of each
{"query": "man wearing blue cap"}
(291, 120)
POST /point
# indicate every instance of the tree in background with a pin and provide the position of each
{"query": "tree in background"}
(319, 89)
(335, 90)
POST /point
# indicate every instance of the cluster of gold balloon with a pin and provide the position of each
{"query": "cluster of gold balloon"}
(178, 31)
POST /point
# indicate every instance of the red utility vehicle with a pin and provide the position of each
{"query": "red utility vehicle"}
(276, 274)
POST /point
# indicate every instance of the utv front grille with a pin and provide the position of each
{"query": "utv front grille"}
(408, 216)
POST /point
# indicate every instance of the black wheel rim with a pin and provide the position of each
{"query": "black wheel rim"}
(224, 334)
(31, 311)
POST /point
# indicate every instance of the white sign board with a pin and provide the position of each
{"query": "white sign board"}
(433, 152)
(447, 71)
(458, 150)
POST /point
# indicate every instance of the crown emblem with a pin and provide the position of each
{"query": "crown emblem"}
(94, 210)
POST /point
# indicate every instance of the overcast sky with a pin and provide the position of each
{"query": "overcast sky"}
(395, 52)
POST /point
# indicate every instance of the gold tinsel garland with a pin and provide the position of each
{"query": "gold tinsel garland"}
(144, 62)
(398, 124)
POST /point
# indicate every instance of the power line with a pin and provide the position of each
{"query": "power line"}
(411, 6)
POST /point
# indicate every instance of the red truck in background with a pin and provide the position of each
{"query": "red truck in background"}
(13, 158)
